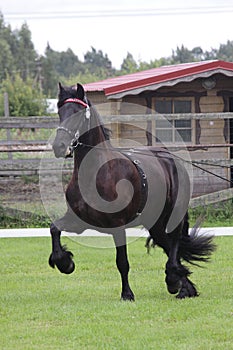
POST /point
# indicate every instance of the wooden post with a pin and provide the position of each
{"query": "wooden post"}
(7, 114)
(149, 132)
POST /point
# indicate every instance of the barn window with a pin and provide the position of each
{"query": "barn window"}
(173, 131)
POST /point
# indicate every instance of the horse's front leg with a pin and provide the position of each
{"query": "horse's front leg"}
(123, 264)
(60, 257)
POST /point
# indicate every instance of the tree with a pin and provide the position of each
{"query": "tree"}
(6, 59)
(211, 55)
(69, 64)
(163, 61)
(7, 42)
(225, 51)
(182, 55)
(65, 63)
(197, 53)
(25, 98)
(49, 74)
(17, 53)
(98, 64)
(129, 65)
(25, 55)
(56, 66)
(82, 78)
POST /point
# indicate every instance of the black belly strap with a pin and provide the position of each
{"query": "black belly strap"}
(144, 183)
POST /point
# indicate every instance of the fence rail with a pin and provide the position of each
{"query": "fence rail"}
(48, 122)
(36, 146)
(29, 122)
(34, 149)
(32, 166)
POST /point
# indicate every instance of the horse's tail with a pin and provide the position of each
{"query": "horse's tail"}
(195, 247)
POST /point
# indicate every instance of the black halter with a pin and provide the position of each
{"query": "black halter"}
(74, 142)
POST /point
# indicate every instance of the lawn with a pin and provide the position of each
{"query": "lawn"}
(43, 309)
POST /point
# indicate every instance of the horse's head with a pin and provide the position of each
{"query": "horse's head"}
(74, 113)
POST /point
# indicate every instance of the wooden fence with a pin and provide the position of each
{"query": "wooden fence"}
(22, 157)
(28, 162)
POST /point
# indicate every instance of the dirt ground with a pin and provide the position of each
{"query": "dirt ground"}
(25, 194)
(16, 190)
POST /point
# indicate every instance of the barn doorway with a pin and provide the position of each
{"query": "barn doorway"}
(231, 135)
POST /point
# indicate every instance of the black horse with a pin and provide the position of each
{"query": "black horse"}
(112, 189)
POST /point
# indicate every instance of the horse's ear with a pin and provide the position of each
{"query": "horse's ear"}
(80, 91)
(60, 86)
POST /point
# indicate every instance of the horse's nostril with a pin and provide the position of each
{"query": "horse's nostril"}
(59, 149)
(62, 146)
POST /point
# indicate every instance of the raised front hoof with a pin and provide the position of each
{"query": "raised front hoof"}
(174, 288)
(64, 262)
(129, 296)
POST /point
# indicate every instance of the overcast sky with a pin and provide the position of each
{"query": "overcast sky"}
(148, 29)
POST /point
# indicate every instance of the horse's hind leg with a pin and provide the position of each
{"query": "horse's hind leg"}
(188, 288)
(60, 257)
(169, 243)
(176, 275)
(123, 264)
(174, 270)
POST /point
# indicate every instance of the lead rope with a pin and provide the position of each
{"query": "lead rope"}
(193, 163)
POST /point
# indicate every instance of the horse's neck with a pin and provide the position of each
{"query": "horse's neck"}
(94, 141)
(97, 134)
(94, 137)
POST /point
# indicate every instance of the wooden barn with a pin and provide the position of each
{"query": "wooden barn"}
(192, 102)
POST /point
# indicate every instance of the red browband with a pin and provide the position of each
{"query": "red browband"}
(76, 100)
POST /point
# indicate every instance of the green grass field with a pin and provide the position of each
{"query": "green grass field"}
(43, 309)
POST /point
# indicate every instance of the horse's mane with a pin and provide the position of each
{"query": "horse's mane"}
(106, 131)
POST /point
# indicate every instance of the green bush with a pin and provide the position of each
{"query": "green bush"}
(220, 214)
(25, 98)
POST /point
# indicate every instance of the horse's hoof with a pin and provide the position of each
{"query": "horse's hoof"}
(69, 269)
(64, 262)
(174, 289)
(188, 289)
(185, 293)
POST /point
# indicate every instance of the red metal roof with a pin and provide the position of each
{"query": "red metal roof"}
(154, 76)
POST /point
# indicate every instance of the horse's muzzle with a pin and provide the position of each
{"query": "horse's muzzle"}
(61, 150)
